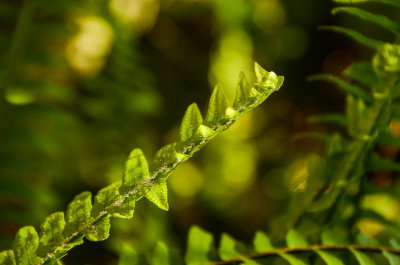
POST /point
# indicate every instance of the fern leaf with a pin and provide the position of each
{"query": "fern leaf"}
(161, 255)
(51, 232)
(190, 123)
(363, 73)
(332, 117)
(378, 163)
(262, 242)
(7, 257)
(362, 258)
(372, 43)
(99, 230)
(295, 239)
(350, 88)
(199, 246)
(78, 213)
(229, 248)
(267, 80)
(216, 107)
(242, 92)
(388, 2)
(25, 245)
(329, 258)
(128, 256)
(105, 200)
(136, 170)
(157, 193)
(380, 20)
(167, 157)
(392, 258)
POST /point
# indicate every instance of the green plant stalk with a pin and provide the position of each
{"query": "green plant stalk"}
(309, 249)
(137, 191)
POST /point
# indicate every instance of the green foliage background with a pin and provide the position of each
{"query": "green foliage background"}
(85, 82)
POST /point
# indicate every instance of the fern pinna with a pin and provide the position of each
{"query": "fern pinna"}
(60, 232)
(328, 208)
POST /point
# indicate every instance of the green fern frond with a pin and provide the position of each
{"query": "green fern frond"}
(298, 251)
(84, 220)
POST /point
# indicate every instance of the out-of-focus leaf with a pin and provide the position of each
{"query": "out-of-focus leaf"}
(347, 87)
(372, 43)
(199, 247)
(161, 255)
(388, 2)
(7, 257)
(128, 256)
(362, 72)
(362, 258)
(392, 258)
(380, 20)
(262, 242)
(295, 239)
(329, 258)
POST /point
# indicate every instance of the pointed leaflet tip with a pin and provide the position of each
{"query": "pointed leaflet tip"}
(136, 170)
(216, 107)
(157, 193)
(265, 79)
(190, 123)
(242, 91)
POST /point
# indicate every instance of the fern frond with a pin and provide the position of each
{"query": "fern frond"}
(298, 250)
(82, 220)
(386, 2)
(379, 20)
(355, 35)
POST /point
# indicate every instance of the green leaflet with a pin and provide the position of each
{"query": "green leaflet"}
(25, 245)
(136, 170)
(190, 123)
(329, 258)
(199, 247)
(362, 258)
(262, 242)
(372, 43)
(216, 107)
(242, 92)
(388, 2)
(229, 248)
(7, 257)
(128, 256)
(267, 80)
(160, 255)
(78, 213)
(378, 163)
(167, 156)
(332, 117)
(350, 88)
(380, 20)
(295, 239)
(105, 199)
(157, 193)
(100, 230)
(362, 72)
(51, 232)
(392, 258)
